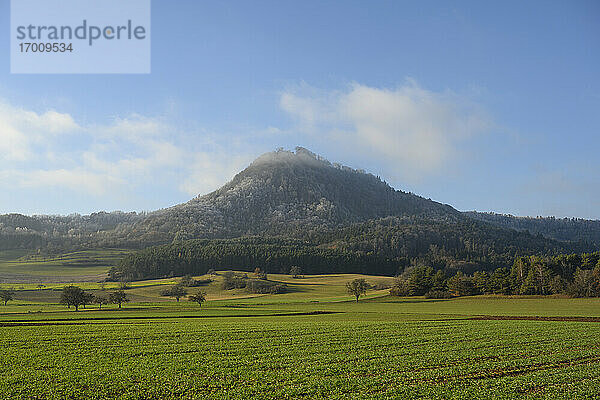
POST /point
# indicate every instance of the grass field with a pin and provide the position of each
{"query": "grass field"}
(20, 268)
(377, 349)
(314, 342)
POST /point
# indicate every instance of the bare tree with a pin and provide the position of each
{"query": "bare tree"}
(74, 296)
(101, 299)
(357, 287)
(119, 297)
(176, 291)
(199, 298)
(6, 296)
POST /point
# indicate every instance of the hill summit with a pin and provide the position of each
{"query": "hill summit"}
(283, 191)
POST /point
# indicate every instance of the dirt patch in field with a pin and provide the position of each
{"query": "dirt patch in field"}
(532, 318)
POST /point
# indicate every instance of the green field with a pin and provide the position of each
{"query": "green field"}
(314, 342)
(18, 267)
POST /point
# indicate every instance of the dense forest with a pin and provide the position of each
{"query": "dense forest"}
(246, 254)
(56, 233)
(383, 247)
(575, 275)
(466, 244)
(571, 274)
(564, 229)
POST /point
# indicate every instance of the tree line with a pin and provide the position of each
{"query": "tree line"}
(576, 275)
(466, 244)
(380, 247)
(273, 255)
(74, 296)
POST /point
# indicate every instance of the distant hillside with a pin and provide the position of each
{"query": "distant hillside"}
(564, 229)
(55, 231)
(299, 195)
(285, 192)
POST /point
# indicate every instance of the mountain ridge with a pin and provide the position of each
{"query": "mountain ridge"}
(298, 194)
(282, 189)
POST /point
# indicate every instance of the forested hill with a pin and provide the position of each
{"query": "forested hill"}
(57, 232)
(564, 229)
(287, 192)
(380, 247)
(301, 196)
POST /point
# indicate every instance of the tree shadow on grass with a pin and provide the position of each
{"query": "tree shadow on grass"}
(388, 300)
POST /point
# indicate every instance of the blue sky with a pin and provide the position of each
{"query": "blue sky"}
(485, 106)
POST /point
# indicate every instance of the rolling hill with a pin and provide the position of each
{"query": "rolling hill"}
(327, 210)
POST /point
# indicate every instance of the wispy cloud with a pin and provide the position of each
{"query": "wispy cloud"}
(127, 154)
(416, 132)
(21, 130)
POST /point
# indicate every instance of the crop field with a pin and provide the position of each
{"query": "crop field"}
(313, 342)
(381, 348)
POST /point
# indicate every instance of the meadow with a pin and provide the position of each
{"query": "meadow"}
(18, 267)
(313, 342)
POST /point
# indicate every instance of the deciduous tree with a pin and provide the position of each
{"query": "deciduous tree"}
(74, 296)
(357, 287)
(118, 297)
(176, 291)
(199, 298)
(295, 271)
(6, 295)
(101, 299)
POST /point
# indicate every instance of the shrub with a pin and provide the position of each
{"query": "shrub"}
(401, 287)
(296, 271)
(438, 294)
(263, 287)
(260, 274)
(381, 286)
(188, 281)
(278, 289)
(231, 280)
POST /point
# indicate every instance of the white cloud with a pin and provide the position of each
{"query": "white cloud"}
(415, 131)
(157, 157)
(164, 153)
(129, 154)
(48, 122)
(412, 130)
(21, 129)
(14, 145)
(53, 121)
